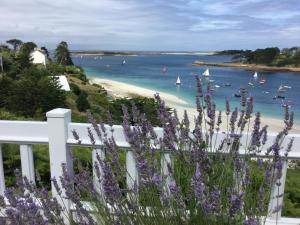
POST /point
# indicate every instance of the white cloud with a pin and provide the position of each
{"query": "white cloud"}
(152, 25)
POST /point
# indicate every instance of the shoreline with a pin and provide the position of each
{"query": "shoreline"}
(118, 89)
(252, 67)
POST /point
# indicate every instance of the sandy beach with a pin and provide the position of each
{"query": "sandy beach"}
(119, 89)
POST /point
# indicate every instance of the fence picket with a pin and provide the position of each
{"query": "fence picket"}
(2, 180)
(277, 194)
(132, 174)
(96, 182)
(27, 162)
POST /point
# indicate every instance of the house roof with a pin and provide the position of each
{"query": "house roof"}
(64, 83)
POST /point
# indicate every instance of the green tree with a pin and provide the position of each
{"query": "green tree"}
(35, 93)
(75, 89)
(5, 85)
(63, 55)
(3, 48)
(82, 103)
(24, 54)
(45, 50)
(15, 43)
(296, 57)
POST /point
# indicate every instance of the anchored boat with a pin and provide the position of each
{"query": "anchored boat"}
(206, 73)
(178, 82)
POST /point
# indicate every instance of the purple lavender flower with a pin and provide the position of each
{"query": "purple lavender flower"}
(227, 107)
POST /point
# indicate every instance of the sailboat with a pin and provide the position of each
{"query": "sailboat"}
(206, 73)
(124, 61)
(255, 75)
(178, 82)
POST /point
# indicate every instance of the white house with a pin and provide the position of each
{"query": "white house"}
(38, 56)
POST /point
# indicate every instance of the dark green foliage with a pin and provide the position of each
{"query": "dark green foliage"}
(264, 56)
(3, 48)
(5, 85)
(45, 50)
(55, 69)
(82, 103)
(76, 90)
(267, 56)
(11, 162)
(35, 93)
(15, 43)
(230, 52)
(77, 72)
(62, 54)
(24, 59)
(292, 194)
(145, 105)
(296, 58)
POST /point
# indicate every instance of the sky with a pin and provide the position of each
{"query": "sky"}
(170, 25)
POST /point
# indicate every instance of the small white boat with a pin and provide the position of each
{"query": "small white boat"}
(124, 62)
(281, 89)
(250, 83)
(217, 86)
(164, 69)
(178, 82)
(287, 87)
(266, 92)
(206, 73)
(255, 75)
(211, 81)
(262, 81)
(286, 103)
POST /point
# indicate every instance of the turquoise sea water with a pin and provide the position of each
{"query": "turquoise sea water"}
(146, 70)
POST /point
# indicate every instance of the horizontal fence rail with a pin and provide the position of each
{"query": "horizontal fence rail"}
(57, 133)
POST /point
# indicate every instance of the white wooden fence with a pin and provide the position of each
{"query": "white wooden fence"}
(57, 133)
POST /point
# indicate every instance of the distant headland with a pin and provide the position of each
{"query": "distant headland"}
(268, 59)
(101, 53)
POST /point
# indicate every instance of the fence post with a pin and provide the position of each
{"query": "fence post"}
(59, 152)
(2, 180)
(277, 194)
(27, 162)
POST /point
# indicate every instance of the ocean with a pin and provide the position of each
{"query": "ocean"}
(146, 70)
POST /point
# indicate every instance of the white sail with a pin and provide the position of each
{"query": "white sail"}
(255, 75)
(124, 61)
(178, 81)
(206, 73)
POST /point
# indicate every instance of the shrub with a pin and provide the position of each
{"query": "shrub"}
(75, 89)
(82, 103)
(199, 187)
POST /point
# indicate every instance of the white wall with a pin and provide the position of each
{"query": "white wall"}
(38, 57)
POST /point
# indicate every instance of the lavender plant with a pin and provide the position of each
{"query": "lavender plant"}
(213, 177)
